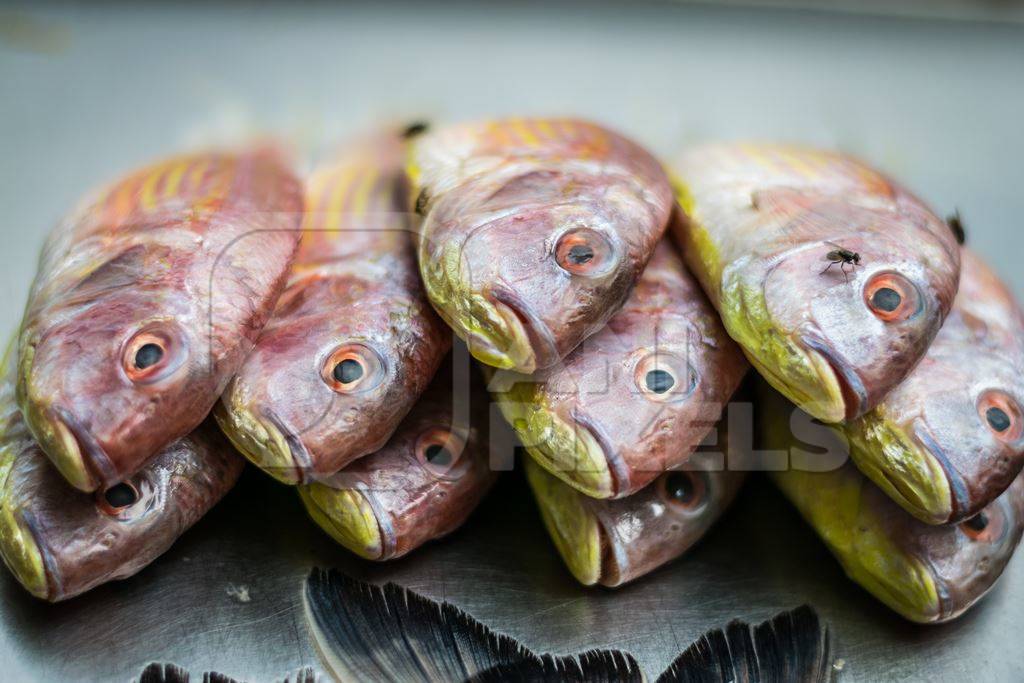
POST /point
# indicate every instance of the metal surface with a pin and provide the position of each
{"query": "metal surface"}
(85, 94)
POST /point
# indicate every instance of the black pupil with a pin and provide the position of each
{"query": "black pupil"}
(659, 381)
(580, 254)
(148, 355)
(978, 522)
(348, 371)
(679, 488)
(119, 496)
(997, 419)
(438, 455)
(886, 299)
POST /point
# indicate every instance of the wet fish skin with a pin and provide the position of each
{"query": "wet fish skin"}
(60, 542)
(613, 542)
(504, 203)
(391, 502)
(188, 255)
(354, 294)
(926, 573)
(593, 422)
(928, 444)
(761, 221)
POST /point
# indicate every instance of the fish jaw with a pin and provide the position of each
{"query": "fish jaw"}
(801, 373)
(266, 443)
(575, 531)
(22, 553)
(495, 334)
(568, 450)
(901, 581)
(898, 463)
(347, 516)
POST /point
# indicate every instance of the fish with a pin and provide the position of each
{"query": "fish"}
(365, 632)
(772, 232)
(613, 542)
(949, 439)
(927, 573)
(636, 398)
(353, 341)
(60, 542)
(147, 299)
(422, 485)
(533, 231)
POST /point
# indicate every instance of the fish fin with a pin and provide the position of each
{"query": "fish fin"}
(306, 675)
(371, 633)
(163, 673)
(593, 666)
(214, 677)
(791, 646)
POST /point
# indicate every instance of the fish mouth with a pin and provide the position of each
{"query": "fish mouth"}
(267, 443)
(847, 391)
(956, 503)
(571, 450)
(29, 560)
(515, 340)
(77, 454)
(348, 516)
(576, 532)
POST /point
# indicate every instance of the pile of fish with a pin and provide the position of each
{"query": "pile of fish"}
(614, 307)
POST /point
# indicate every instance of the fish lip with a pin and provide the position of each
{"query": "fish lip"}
(538, 334)
(302, 461)
(961, 498)
(94, 458)
(854, 394)
(616, 466)
(52, 577)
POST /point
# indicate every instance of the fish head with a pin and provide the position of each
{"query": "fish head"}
(835, 320)
(946, 568)
(60, 542)
(114, 378)
(612, 542)
(952, 432)
(329, 378)
(531, 280)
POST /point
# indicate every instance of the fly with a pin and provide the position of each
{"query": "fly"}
(843, 257)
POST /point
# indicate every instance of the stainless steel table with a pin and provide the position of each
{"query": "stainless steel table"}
(87, 93)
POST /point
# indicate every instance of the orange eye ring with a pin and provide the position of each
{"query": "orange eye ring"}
(151, 354)
(583, 251)
(439, 450)
(118, 498)
(664, 377)
(986, 526)
(352, 368)
(1001, 413)
(683, 489)
(892, 297)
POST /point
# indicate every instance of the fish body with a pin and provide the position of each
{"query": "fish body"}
(422, 485)
(771, 232)
(949, 439)
(146, 301)
(612, 542)
(534, 231)
(927, 573)
(635, 399)
(353, 342)
(60, 542)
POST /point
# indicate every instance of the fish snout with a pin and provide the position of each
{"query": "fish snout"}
(851, 400)
(25, 556)
(76, 452)
(267, 442)
(348, 516)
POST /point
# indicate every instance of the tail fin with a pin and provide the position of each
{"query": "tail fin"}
(790, 647)
(373, 633)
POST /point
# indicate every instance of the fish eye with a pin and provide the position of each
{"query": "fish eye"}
(988, 525)
(664, 377)
(583, 251)
(683, 489)
(114, 500)
(892, 297)
(1001, 413)
(439, 450)
(351, 368)
(152, 353)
